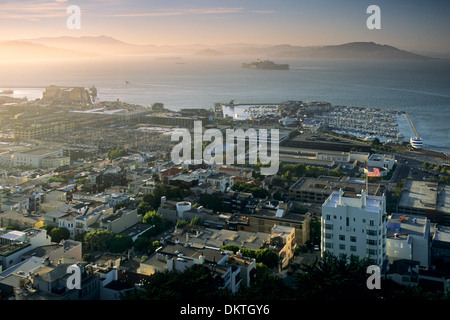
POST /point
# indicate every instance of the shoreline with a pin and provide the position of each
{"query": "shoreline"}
(405, 130)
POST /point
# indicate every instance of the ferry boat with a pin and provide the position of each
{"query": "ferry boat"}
(416, 142)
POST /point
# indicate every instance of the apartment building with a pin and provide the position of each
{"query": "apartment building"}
(354, 224)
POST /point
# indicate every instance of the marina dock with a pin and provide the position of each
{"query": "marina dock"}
(412, 124)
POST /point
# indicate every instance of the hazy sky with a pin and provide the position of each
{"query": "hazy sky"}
(408, 24)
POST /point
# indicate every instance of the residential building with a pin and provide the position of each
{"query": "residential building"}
(408, 237)
(48, 281)
(119, 221)
(440, 246)
(265, 218)
(317, 190)
(220, 182)
(238, 202)
(283, 241)
(55, 162)
(14, 244)
(34, 157)
(234, 270)
(354, 224)
(383, 161)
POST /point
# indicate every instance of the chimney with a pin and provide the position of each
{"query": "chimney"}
(341, 193)
(363, 198)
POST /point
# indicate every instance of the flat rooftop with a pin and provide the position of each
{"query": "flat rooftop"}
(405, 225)
(443, 201)
(38, 151)
(419, 194)
(373, 203)
(327, 184)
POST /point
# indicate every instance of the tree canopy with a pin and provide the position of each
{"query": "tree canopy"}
(195, 283)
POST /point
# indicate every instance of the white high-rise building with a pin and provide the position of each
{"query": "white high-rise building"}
(354, 224)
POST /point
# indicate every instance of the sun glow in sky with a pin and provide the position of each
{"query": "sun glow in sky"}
(413, 24)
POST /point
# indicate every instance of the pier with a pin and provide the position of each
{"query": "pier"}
(412, 124)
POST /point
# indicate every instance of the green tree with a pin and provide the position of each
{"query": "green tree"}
(121, 205)
(211, 201)
(55, 179)
(334, 278)
(120, 243)
(267, 257)
(82, 181)
(141, 244)
(59, 234)
(98, 239)
(195, 283)
(116, 153)
(230, 247)
(154, 218)
(277, 195)
(265, 287)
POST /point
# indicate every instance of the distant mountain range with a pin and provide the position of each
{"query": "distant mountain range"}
(69, 47)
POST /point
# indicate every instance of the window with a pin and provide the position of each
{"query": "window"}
(371, 223)
(341, 237)
(352, 239)
(342, 247)
(347, 221)
(353, 248)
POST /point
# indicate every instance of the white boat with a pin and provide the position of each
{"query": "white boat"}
(369, 138)
(416, 142)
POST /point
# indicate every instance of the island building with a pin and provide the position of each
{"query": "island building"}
(354, 224)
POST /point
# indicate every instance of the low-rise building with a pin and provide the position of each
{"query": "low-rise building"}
(120, 220)
(34, 157)
(234, 270)
(264, 219)
(283, 241)
(384, 161)
(14, 244)
(317, 190)
(408, 237)
(440, 246)
(425, 198)
(220, 182)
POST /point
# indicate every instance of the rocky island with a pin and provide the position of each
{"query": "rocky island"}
(265, 65)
